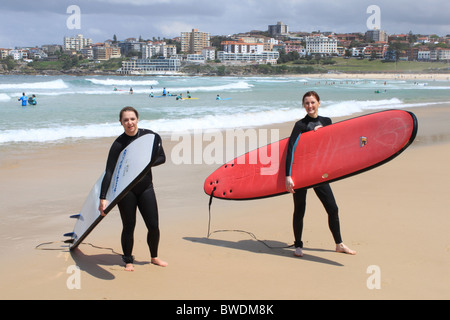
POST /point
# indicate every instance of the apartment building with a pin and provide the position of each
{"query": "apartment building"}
(375, 51)
(4, 53)
(150, 66)
(241, 46)
(76, 43)
(195, 41)
(439, 54)
(104, 52)
(129, 46)
(19, 54)
(321, 45)
(278, 29)
(290, 46)
(149, 50)
(209, 53)
(377, 36)
(261, 58)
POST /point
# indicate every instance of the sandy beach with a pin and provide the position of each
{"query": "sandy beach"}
(385, 76)
(395, 217)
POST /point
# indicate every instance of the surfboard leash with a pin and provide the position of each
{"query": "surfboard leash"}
(40, 247)
(236, 230)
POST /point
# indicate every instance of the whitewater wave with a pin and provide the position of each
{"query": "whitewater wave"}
(225, 120)
(345, 108)
(46, 135)
(122, 82)
(4, 97)
(236, 86)
(51, 85)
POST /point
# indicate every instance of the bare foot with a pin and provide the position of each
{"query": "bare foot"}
(298, 252)
(129, 267)
(159, 262)
(341, 247)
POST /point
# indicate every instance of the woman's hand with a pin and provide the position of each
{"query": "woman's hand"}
(290, 185)
(102, 206)
(318, 127)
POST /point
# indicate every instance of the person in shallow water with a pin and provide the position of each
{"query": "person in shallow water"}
(312, 121)
(24, 99)
(142, 196)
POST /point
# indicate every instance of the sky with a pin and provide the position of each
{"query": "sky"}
(34, 23)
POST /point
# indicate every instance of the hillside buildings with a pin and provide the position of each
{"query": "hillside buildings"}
(256, 47)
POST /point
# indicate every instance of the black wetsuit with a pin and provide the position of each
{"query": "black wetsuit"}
(142, 196)
(323, 191)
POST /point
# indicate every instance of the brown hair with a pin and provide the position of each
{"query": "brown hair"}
(311, 94)
(128, 109)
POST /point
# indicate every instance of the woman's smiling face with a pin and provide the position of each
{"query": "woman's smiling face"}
(129, 122)
(311, 106)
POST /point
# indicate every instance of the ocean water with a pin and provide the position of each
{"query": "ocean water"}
(72, 108)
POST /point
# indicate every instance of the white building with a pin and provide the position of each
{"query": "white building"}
(321, 45)
(158, 49)
(262, 58)
(358, 51)
(424, 55)
(195, 58)
(209, 53)
(19, 54)
(150, 66)
(76, 43)
(242, 47)
(440, 54)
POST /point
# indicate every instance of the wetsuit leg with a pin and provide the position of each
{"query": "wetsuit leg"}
(149, 210)
(326, 196)
(299, 213)
(127, 207)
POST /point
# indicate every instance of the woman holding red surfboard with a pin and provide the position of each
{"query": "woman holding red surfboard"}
(312, 121)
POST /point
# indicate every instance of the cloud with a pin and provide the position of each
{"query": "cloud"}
(44, 21)
(174, 29)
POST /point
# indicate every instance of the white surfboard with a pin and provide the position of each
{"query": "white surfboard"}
(133, 164)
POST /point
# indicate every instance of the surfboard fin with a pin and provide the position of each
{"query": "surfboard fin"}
(70, 234)
(75, 216)
(70, 241)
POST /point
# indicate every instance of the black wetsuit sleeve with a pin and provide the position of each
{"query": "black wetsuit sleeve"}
(302, 126)
(160, 155)
(292, 144)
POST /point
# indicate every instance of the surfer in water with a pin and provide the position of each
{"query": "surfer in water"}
(142, 196)
(23, 99)
(312, 121)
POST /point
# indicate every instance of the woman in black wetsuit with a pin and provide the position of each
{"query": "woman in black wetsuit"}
(142, 195)
(312, 121)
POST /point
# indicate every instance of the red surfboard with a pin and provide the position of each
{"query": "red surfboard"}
(329, 154)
